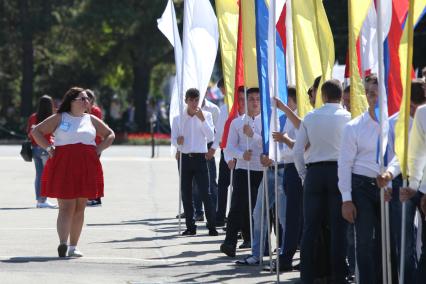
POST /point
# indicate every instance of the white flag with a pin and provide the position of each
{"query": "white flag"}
(168, 26)
(200, 44)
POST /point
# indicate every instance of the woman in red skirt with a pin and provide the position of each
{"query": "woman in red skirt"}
(73, 172)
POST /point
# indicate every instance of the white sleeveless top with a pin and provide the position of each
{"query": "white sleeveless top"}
(74, 130)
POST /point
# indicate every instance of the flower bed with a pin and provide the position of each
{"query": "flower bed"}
(145, 139)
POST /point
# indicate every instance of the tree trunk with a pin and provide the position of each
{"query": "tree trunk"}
(27, 59)
(140, 93)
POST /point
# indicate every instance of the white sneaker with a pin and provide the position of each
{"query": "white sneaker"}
(46, 204)
(74, 253)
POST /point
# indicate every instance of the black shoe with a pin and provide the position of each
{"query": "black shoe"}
(245, 245)
(213, 232)
(282, 268)
(228, 250)
(182, 215)
(189, 232)
(62, 250)
(94, 203)
(199, 218)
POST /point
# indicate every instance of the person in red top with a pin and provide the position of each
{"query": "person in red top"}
(96, 111)
(40, 156)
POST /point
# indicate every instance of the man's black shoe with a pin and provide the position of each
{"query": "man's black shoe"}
(182, 215)
(245, 245)
(282, 268)
(228, 250)
(213, 232)
(189, 232)
(199, 218)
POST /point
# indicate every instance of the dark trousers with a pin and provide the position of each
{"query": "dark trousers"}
(239, 215)
(198, 206)
(366, 198)
(322, 201)
(294, 192)
(421, 269)
(222, 189)
(195, 166)
(395, 213)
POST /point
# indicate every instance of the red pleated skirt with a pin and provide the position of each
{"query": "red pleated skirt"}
(74, 172)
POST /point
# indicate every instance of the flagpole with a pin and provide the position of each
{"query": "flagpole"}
(181, 129)
(387, 277)
(323, 77)
(262, 216)
(404, 164)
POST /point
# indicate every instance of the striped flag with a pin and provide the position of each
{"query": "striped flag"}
(416, 11)
(358, 10)
(239, 81)
(227, 15)
(271, 69)
(313, 49)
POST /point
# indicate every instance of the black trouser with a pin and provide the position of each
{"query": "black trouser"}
(322, 201)
(294, 192)
(222, 189)
(239, 213)
(421, 267)
(195, 166)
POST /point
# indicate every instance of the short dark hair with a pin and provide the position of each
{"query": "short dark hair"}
(332, 90)
(69, 96)
(317, 82)
(45, 108)
(192, 93)
(291, 92)
(221, 83)
(418, 92)
(241, 89)
(252, 91)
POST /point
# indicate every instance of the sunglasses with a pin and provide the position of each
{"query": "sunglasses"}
(83, 99)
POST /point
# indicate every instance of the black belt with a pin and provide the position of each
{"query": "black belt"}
(280, 166)
(370, 180)
(194, 155)
(287, 165)
(323, 163)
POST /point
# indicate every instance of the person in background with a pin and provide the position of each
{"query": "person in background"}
(73, 172)
(40, 156)
(96, 111)
(346, 98)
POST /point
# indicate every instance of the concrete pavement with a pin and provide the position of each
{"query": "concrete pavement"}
(132, 238)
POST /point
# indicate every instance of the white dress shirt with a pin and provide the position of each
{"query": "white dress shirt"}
(394, 166)
(214, 111)
(220, 125)
(286, 151)
(196, 133)
(322, 128)
(358, 153)
(237, 142)
(417, 151)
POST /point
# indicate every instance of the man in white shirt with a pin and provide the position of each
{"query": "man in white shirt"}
(418, 98)
(417, 180)
(322, 130)
(211, 165)
(190, 133)
(244, 130)
(358, 169)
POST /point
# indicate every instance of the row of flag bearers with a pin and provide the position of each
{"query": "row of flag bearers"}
(341, 163)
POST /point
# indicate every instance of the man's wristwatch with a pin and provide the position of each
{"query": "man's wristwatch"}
(50, 148)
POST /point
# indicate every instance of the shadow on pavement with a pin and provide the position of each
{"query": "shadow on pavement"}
(26, 259)
(16, 208)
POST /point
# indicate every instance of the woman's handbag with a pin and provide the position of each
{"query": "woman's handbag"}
(26, 151)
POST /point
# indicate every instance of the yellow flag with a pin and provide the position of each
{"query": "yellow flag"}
(406, 58)
(313, 49)
(358, 10)
(249, 43)
(227, 15)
